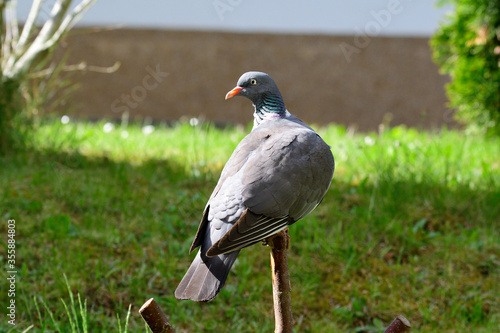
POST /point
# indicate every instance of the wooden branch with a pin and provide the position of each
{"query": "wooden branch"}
(21, 60)
(11, 8)
(51, 32)
(8, 10)
(29, 25)
(281, 282)
(69, 21)
(81, 67)
(2, 52)
(12, 28)
(399, 324)
(155, 318)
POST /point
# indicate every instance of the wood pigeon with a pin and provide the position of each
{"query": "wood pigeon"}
(276, 175)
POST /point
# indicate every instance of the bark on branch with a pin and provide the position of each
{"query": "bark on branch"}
(281, 282)
(22, 52)
(399, 325)
(155, 318)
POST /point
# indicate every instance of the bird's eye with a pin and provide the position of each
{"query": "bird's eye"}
(253, 82)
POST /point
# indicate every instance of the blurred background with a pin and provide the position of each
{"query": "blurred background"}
(359, 63)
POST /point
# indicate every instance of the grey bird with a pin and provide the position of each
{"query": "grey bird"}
(276, 175)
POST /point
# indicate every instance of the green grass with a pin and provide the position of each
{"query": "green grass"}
(411, 224)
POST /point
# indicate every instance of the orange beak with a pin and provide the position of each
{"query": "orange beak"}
(233, 92)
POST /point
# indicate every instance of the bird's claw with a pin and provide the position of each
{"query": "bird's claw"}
(282, 234)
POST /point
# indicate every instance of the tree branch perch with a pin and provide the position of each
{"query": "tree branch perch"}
(399, 325)
(281, 282)
(155, 318)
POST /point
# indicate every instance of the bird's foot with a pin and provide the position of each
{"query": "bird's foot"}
(280, 240)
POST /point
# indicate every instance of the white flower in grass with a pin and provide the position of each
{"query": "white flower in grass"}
(65, 119)
(148, 129)
(369, 141)
(124, 134)
(108, 127)
(194, 122)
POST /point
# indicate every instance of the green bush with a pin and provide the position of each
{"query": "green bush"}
(26, 83)
(25, 98)
(467, 47)
(9, 106)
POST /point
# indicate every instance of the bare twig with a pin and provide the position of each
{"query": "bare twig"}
(20, 55)
(68, 22)
(281, 282)
(399, 324)
(8, 13)
(29, 24)
(80, 67)
(155, 318)
(14, 25)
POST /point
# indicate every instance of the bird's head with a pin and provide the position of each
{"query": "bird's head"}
(254, 86)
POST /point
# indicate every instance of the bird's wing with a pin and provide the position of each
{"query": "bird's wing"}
(291, 174)
(283, 178)
(219, 202)
(198, 239)
(249, 229)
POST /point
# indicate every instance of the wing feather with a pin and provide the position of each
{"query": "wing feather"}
(249, 229)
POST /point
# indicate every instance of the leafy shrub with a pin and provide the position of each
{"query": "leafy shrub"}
(467, 47)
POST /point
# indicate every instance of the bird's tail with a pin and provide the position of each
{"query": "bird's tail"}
(205, 277)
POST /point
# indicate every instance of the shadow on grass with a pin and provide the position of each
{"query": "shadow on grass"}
(121, 232)
(423, 248)
(98, 221)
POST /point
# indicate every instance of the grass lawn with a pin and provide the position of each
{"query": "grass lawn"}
(411, 224)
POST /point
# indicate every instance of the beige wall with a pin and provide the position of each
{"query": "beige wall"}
(194, 70)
